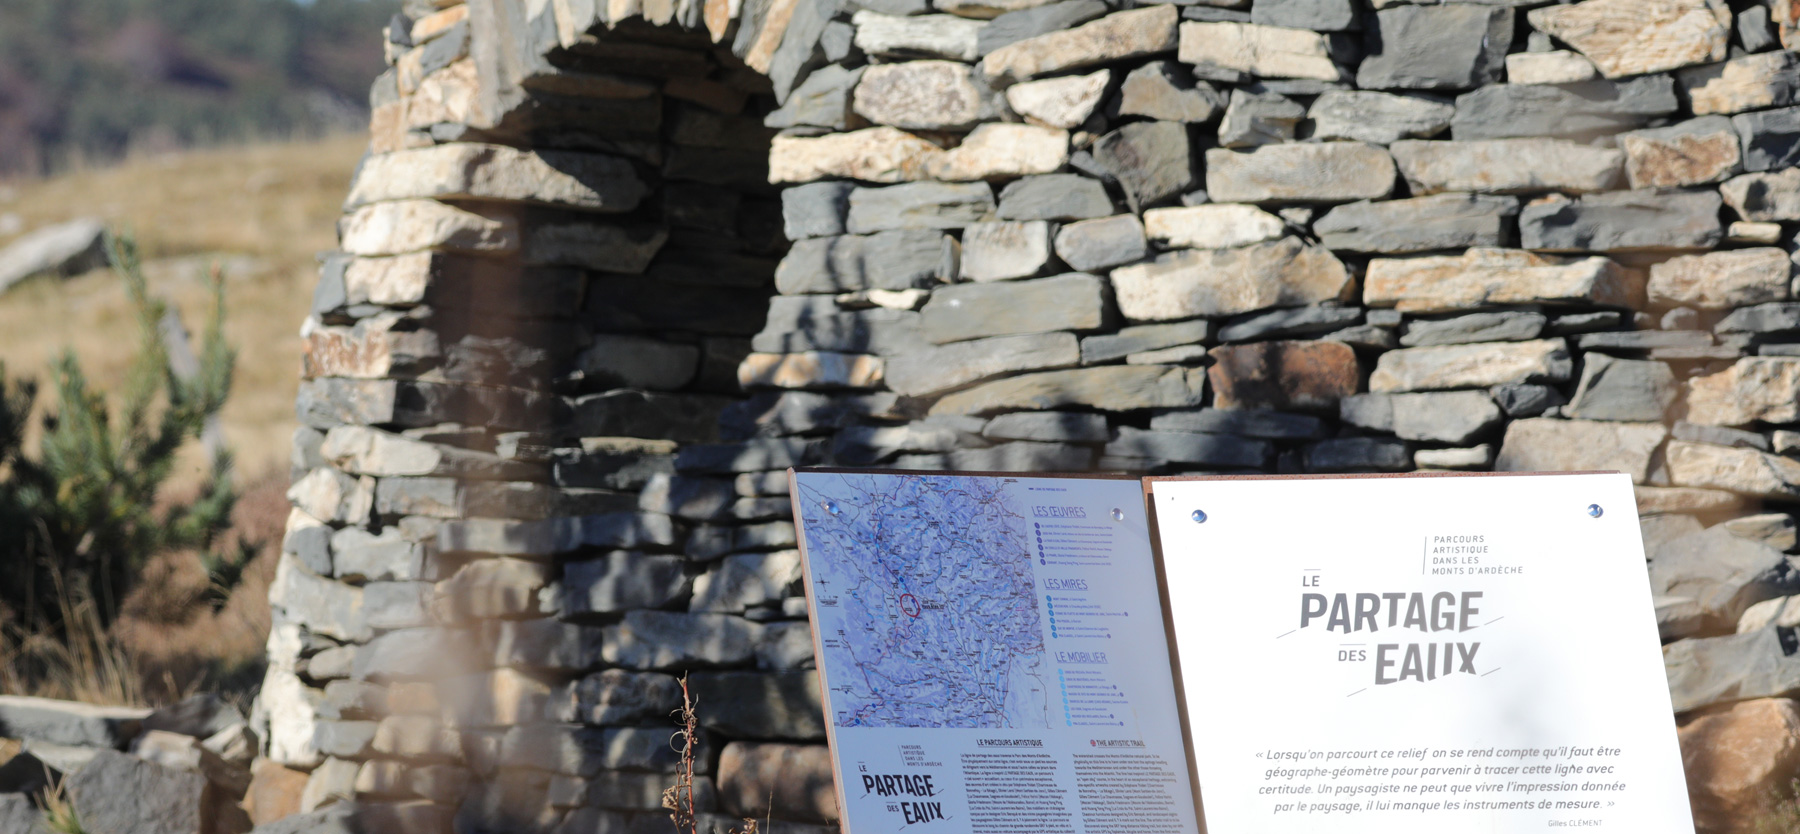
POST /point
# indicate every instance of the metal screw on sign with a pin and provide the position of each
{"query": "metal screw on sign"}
(832, 507)
(1595, 511)
(1118, 514)
(1199, 516)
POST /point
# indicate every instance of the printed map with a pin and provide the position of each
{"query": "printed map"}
(927, 601)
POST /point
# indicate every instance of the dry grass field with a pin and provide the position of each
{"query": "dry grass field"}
(263, 212)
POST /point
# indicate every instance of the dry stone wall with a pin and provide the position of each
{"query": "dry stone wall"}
(610, 267)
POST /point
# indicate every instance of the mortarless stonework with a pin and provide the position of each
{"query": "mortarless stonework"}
(611, 267)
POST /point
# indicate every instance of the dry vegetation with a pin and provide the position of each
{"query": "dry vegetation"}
(263, 212)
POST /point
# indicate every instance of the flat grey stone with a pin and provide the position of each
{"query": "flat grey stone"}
(1166, 91)
(1504, 326)
(620, 581)
(616, 696)
(1054, 197)
(919, 205)
(1753, 29)
(1583, 110)
(929, 371)
(66, 249)
(747, 456)
(794, 57)
(1525, 400)
(1770, 138)
(1570, 324)
(1048, 427)
(1365, 336)
(1018, 456)
(18, 815)
(822, 100)
(1013, 27)
(743, 581)
(837, 41)
(1623, 389)
(1762, 318)
(761, 705)
(1144, 337)
(547, 646)
(795, 324)
(1272, 425)
(1152, 161)
(1258, 118)
(1719, 436)
(68, 722)
(1624, 221)
(344, 739)
(1645, 340)
(1101, 243)
(893, 260)
(1716, 670)
(1357, 454)
(1212, 14)
(617, 361)
(661, 639)
(1293, 321)
(1450, 47)
(865, 445)
(971, 311)
(1317, 15)
(815, 210)
(1381, 118)
(1453, 417)
(115, 792)
(1419, 224)
(1191, 448)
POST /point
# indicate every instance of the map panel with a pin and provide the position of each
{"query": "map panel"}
(925, 592)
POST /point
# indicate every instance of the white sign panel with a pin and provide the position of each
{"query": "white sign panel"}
(993, 653)
(1420, 655)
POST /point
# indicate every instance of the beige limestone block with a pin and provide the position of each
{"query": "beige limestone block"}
(1211, 226)
(1743, 471)
(472, 171)
(919, 95)
(1686, 500)
(1481, 365)
(1738, 759)
(1482, 277)
(1546, 445)
(1506, 166)
(1108, 387)
(1692, 153)
(1064, 102)
(1633, 37)
(404, 226)
(813, 369)
(876, 154)
(1556, 67)
(1721, 280)
(1764, 196)
(1001, 150)
(1322, 172)
(1266, 51)
(1765, 388)
(1747, 83)
(1116, 37)
(1223, 282)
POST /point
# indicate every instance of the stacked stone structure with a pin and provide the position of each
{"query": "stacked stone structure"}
(611, 267)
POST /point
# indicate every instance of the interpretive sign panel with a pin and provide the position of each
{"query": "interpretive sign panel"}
(1420, 654)
(993, 652)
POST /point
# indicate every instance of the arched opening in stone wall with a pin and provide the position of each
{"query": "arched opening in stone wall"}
(574, 336)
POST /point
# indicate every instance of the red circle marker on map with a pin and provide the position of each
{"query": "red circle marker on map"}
(909, 605)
